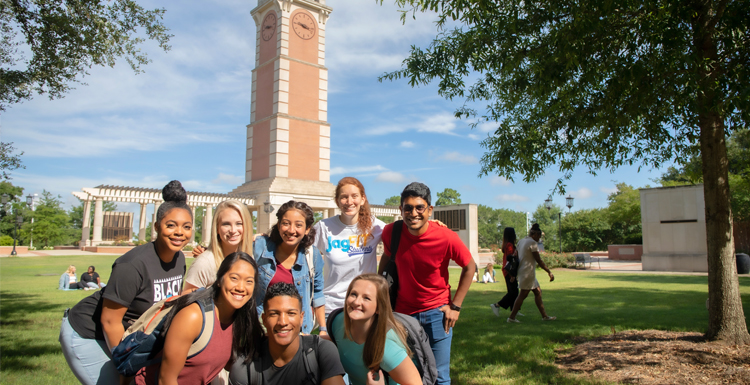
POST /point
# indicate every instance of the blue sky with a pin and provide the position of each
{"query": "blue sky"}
(185, 117)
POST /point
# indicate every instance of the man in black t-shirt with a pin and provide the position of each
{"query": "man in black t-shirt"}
(91, 279)
(282, 358)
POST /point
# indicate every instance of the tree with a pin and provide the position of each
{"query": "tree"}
(51, 223)
(448, 197)
(600, 85)
(14, 206)
(76, 215)
(624, 215)
(66, 38)
(492, 222)
(393, 201)
(9, 161)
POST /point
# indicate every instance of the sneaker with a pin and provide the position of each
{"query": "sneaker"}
(519, 314)
(549, 318)
(513, 321)
(495, 309)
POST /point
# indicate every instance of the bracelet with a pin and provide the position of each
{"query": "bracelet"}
(322, 329)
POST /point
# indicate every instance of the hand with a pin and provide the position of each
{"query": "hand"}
(451, 316)
(371, 378)
(437, 222)
(198, 250)
(551, 276)
(513, 279)
(323, 333)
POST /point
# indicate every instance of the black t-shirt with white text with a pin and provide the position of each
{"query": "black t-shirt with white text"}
(139, 279)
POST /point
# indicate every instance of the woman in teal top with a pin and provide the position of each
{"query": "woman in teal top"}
(369, 338)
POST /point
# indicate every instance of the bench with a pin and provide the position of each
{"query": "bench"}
(584, 258)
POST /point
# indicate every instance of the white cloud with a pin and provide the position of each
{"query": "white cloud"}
(440, 123)
(512, 198)
(455, 156)
(608, 190)
(407, 144)
(498, 180)
(227, 179)
(474, 136)
(391, 177)
(582, 193)
(356, 170)
(487, 127)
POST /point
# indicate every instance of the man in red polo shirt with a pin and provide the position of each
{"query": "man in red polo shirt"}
(424, 253)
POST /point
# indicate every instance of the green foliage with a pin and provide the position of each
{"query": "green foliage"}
(8, 214)
(6, 240)
(66, 38)
(51, 223)
(624, 214)
(393, 201)
(76, 213)
(492, 222)
(587, 230)
(386, 220)
(8, 160)
(448, 197)
(557, 260)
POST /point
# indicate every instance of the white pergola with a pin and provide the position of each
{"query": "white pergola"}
(144, 196)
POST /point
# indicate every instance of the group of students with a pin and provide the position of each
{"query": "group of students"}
(292, 279)
(90, 280)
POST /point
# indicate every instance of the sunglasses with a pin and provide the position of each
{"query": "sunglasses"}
(420, 208)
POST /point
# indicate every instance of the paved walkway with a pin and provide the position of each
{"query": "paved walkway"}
(46, 253)
(606, 265)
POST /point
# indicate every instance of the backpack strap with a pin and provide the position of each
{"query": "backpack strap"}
(207, 330)
(310, 345)
(329, 323)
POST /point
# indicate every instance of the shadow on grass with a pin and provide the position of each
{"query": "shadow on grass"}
(22, 314)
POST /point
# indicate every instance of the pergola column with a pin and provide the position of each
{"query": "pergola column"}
(98, 221)
(142, 223)
(331, 212)
(192, 234)
(86, 224)
(153, 221)
(208, 220)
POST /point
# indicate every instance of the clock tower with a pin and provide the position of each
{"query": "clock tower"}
(289, 138)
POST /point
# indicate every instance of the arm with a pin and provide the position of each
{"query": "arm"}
(188, 288)
(541, 264)
(320, 316)
(467, 273)
(112, 315)
(383, 263)
(198, 250)
(335, 380)
(405, 373)
(185, 328)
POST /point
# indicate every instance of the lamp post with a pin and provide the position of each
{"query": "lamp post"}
(267, 208)
(19, 221)
(31, 202)
(548, 205)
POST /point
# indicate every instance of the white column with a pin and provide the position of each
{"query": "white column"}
(208, 220)
(142, 223)
(86, 223)
(192, 235)
(331, 213)
(265, 221)
(98, 221)
(153, 220)
(324, 213)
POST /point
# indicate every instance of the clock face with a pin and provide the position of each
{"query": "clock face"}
(303, 25)
(268, 28)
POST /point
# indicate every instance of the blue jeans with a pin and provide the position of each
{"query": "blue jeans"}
(432, 323)
(88, 358)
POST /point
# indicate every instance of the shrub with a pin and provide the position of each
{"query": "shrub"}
(554, 260)
(6, 240)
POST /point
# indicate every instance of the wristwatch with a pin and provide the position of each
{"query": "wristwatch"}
(454, 307)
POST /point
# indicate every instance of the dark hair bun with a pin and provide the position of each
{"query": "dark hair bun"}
(174, 192)
(535, 226)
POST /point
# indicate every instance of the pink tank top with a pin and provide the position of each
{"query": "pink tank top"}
(203, 367)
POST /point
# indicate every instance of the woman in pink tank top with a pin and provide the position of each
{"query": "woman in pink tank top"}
(236, 332)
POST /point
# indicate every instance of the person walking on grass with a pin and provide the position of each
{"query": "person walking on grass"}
(511, 281)
(528, 254)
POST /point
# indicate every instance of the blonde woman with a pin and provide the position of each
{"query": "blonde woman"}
(369, 338)
(68, 280)
(231, 231)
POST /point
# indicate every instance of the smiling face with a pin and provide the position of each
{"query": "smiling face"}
(230, 229)
(174, 230)
(350, 200)
(282, 318)
(362, 301)
(292, 227)
(90, 270)
(415, 220)
(238, 284)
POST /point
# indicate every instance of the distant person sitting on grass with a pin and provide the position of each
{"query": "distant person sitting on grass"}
(489, 273)
(91, 279)
(68, 280)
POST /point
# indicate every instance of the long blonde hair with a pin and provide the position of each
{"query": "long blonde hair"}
(372, 354)
(70, 269)
(246, 243)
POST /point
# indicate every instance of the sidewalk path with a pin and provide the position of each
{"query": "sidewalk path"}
(47, 253)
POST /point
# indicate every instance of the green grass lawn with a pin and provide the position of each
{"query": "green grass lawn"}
(486, 349)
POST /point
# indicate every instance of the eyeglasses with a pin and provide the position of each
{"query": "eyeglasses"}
(420, 208)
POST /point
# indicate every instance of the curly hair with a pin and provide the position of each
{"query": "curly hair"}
(306, 211)
(174, 196)
(281, 289)
(364, 222)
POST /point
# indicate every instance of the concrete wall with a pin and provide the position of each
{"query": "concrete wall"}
(469, 234)
(674, 229)
(625, 252)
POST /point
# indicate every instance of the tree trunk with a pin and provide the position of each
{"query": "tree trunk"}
(726, 318)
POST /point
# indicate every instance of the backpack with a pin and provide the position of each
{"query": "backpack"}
(390, 272)
(416, 340)
(144, 340)
(309, 344)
